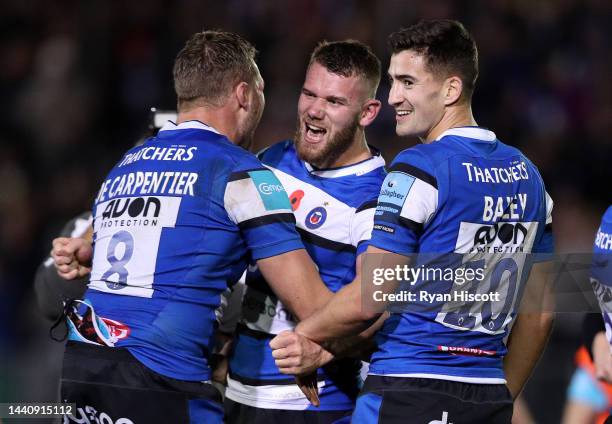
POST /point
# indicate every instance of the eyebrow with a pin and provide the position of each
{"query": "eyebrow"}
(337, 99)
(401, 76)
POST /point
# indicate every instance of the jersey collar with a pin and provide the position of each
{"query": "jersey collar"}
(359, 168)
(187, 125)
(476, 133)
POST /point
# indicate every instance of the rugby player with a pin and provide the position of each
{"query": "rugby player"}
(333, 179)
(49, 287)
(451, 195)
(174, 223)
(601, 280)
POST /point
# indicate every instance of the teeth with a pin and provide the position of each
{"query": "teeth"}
(314, 129)
(404, 112)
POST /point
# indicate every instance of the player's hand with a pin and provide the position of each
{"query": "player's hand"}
(295, 354)
(602, 359)
(72, 257)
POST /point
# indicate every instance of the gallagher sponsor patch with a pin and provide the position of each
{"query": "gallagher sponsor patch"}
(271, 191)
(395, 188)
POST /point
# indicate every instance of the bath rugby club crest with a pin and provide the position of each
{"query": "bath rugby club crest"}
(316, 218)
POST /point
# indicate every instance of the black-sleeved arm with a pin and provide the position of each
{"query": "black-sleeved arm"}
(50, 288)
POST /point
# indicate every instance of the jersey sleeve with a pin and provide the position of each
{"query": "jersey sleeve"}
(361, 225)
(546, 243)
(407, 201)
(257, 203)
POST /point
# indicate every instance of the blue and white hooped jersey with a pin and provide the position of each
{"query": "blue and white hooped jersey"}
(601, 270)
(334, 210)
(469, 197)
(177, 220)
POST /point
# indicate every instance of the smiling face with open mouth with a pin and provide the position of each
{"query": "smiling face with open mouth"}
(329, 110)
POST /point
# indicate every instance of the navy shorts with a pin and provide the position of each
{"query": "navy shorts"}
(392, 400)
(109, 385)
(238, 413)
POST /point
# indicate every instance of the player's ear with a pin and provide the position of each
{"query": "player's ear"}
(241, 91)
(453, 87)
(369, 112)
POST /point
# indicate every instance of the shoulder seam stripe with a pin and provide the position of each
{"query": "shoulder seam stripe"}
(367, 205)
(415, 172)
(242, 175)
(325, 243)
(267, 219)
(413, 225)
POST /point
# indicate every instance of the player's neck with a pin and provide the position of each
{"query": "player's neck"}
(221, 119)
(357, 152)
(456, 116)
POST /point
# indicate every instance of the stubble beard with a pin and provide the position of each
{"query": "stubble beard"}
(335, 146)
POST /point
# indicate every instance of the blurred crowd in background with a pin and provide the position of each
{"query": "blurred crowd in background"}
(78, 78)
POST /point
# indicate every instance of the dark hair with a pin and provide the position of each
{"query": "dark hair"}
(211, 64)
(348, 58)
(446, 45)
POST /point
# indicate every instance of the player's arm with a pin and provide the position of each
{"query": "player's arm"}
(360, 345)
(405, 204)
(596, 342)
(315, 355)
(296, 282)
(531, 328)
(257, 203)
(50, 288)
(602, 359)
(349, 312)
(353, 309)
(230, 312)
(535, 317)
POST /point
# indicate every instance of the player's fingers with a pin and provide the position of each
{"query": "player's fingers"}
(62, 260)
(290, 350)
(64, 251)
(287, 363)
(69, 267)
(72, 246)
(83, 271)
(55, 252)
(282, 340)
(67, 247)
(59, 241)
(70, 275)
(281, 353)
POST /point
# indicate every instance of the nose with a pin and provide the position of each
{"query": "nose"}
(395, 97)
(316, 109)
